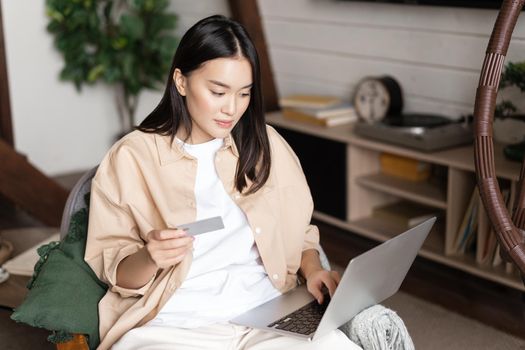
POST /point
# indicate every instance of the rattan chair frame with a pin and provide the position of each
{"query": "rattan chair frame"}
(509, 230)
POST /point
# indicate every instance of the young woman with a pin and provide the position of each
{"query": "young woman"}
(204, 151)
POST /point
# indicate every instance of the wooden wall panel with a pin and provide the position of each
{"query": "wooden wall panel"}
(438, 86)
(389, 16)
(434, 52)
(298, 84)
(406, 46)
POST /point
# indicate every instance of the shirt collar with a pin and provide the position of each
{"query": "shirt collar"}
(229, 142)
(170, 152)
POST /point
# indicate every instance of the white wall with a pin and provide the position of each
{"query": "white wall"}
(434, 52)
(318, 46)
(58, 129)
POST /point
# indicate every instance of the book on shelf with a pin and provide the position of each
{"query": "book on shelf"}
(309, 101)
(405, 214)
(488, 249)
(487, 240)
(496, 259)
(467, 230)
(404, 167)
(510, 268)
(295, 115)
(327, 112)
(483, 236)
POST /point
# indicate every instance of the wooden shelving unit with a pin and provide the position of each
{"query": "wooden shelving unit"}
(367, 188)
(420, 192)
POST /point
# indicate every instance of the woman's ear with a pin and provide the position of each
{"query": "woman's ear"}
(180, 81)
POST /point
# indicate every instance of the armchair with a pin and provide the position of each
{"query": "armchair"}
(76, 202)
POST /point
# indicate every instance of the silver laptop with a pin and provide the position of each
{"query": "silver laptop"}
(368, 279)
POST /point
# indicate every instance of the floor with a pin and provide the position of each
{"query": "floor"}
(489, 303)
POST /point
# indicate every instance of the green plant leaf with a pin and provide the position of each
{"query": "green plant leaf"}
(112, 75)
(167, 48)
(95, 72)
(161, 23)
(128, 42)
(55, 15)
(132, 26)
(119, 43)
(514, 74)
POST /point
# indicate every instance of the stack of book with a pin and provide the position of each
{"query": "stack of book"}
(405, 214)
(475, 233)
(465, 237)
(488, 250)
(318, 110)
(404, 167)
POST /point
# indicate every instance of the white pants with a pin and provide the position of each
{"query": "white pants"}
(223, 337)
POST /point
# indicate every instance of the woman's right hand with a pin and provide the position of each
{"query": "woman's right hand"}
(168, 247)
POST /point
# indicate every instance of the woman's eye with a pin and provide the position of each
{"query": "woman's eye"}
(217, 93)
(245, 94)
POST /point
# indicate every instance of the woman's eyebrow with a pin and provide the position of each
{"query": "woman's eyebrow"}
(227, 86)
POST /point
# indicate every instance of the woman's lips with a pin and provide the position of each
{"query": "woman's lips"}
(224, 123)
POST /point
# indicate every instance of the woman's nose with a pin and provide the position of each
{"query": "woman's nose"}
(230, 107)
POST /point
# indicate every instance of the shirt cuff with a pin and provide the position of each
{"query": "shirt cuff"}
(112, 258)
(311, 238)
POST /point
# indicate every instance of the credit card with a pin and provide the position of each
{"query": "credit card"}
(203, 226)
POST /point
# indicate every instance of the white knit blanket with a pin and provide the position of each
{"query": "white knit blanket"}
(378, 328)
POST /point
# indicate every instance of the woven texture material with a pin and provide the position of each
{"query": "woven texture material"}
(510, 230)
(378, 328)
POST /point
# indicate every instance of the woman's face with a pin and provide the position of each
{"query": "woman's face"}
(217, 95)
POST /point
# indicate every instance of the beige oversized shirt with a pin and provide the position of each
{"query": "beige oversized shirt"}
(145, 182)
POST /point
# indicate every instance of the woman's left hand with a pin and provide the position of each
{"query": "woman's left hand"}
(319, 278)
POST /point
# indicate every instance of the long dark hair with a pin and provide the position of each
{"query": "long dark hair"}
(210, 38)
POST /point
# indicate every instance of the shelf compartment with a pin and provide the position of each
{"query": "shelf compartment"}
(497, 274)
(433, 248)
(421, 192)
(381, 231)
(386, 230)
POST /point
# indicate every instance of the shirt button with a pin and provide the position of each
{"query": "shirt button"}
(275, 276)
(258, 230)
(192, 204)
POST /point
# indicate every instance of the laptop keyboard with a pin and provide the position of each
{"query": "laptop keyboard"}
(304, 320)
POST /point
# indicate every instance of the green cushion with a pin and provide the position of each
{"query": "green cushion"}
(64, 292)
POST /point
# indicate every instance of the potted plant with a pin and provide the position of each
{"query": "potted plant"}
(128, 44)
(509, 124)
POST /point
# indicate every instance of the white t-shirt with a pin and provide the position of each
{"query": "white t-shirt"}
(226, 277)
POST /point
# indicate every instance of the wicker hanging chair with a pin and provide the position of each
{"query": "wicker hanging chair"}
(509, 230)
